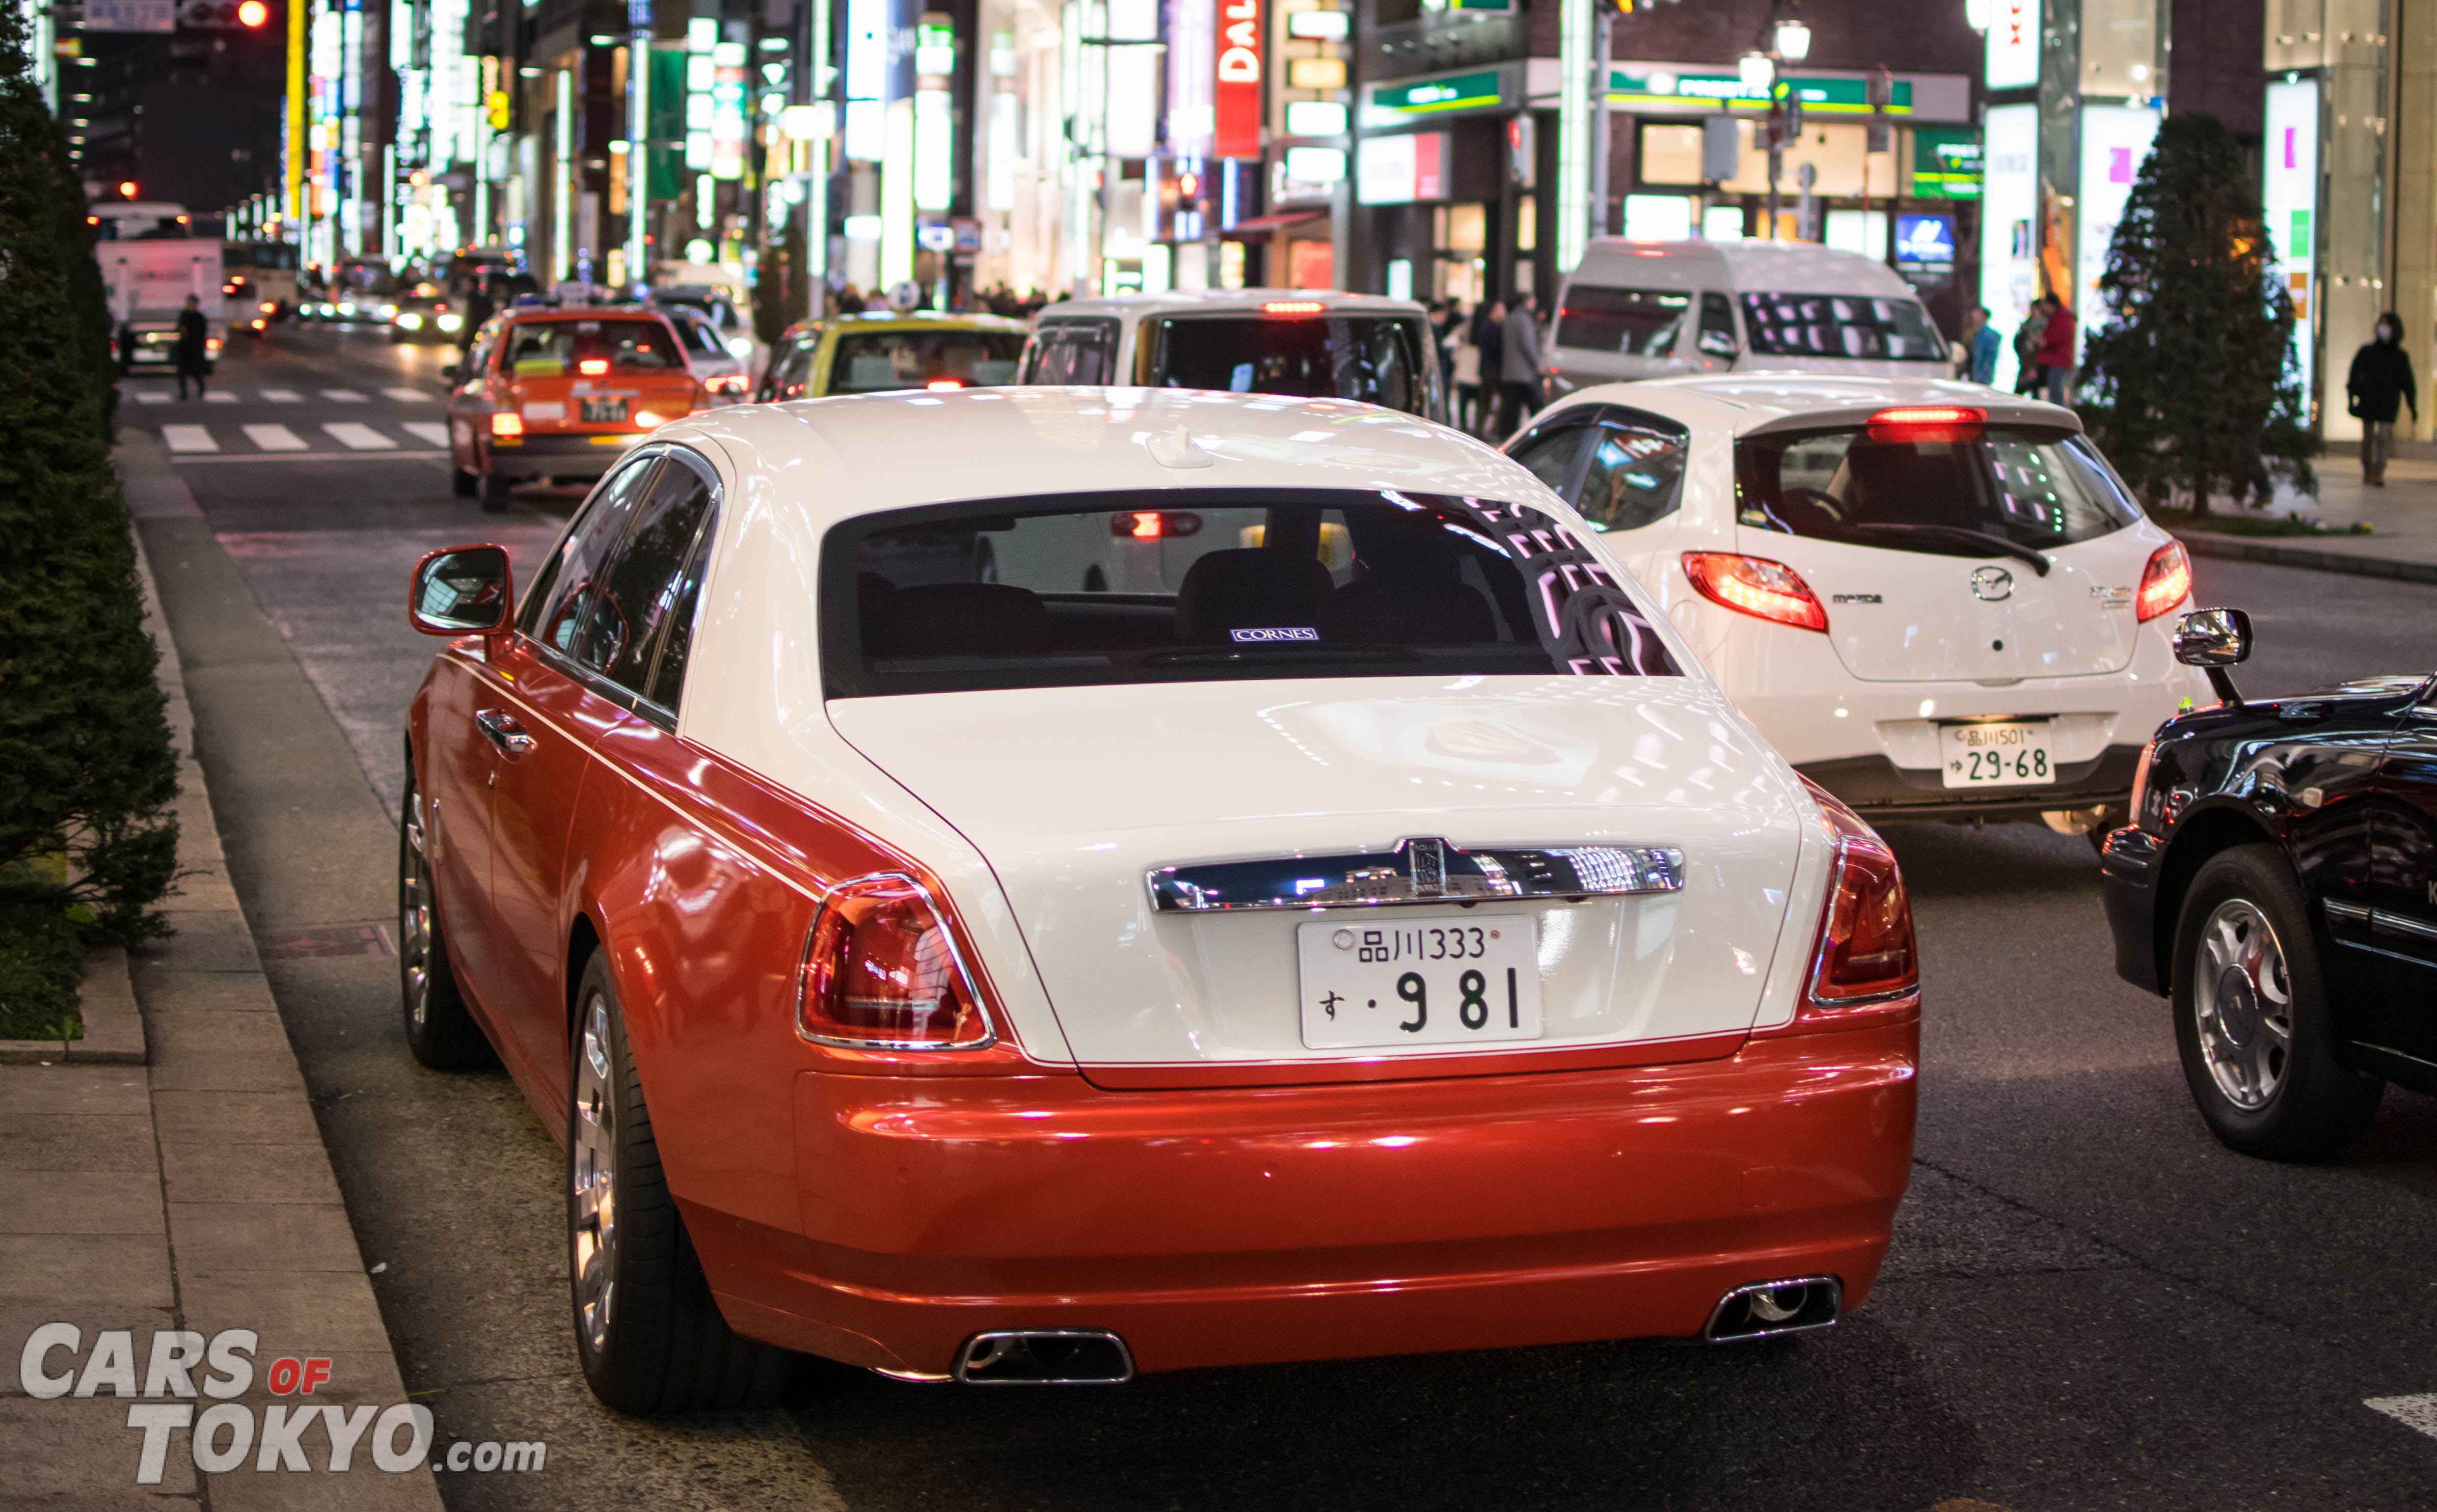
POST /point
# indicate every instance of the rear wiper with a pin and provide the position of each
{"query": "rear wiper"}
(1956, 535)
(1238, 657)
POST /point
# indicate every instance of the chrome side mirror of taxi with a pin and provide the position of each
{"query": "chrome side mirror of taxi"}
(2212, 640)
(464, 590)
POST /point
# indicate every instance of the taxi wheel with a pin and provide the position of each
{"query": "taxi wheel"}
(460, 483)
(495, 494)
(440, 1030)
(2252, 1018)
(647, 1330)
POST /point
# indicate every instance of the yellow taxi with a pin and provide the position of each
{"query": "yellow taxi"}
(561, 393)
(884, 350)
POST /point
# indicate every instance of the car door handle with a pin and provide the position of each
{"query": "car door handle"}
(504, 731)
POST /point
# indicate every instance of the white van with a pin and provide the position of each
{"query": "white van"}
(1659, 309)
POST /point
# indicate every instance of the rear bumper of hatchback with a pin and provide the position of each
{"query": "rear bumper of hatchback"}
(1877, 789)
(1243, 1226)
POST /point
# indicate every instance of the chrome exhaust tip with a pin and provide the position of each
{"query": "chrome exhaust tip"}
(1764, 1310)
(1045, 1357)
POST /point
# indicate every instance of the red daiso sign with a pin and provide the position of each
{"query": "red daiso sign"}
(1239, 80)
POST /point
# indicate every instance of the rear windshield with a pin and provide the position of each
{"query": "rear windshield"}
(1842, 325)
(1082, 351)
(546, 348)
(1633, 322)
(2031, 487)
(1371, 358)
(878, 361)
(1205, 586)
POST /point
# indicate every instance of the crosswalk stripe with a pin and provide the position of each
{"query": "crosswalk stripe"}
(432, 431)
(345, 396)
(2416, 1412)
(283, 396)
(406, 395)
(188, 438)
(274, 438)
(223, 398)
(145, 397)
(359, 438)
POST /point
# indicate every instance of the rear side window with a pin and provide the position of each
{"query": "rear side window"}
(878, 361)
(550, 349)
(1718, 328)
(1082, 351)
(2027, 486)
(1375, 359)
(1549, 451)
(1631, 321)
(1842, 325)
(1203, 585)
(1635, 472)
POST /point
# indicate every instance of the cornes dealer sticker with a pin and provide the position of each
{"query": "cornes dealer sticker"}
(1256, 638)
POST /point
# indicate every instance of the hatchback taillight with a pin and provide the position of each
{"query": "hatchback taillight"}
(2166, 581)
(1755, 586)
(1865, 954)
(881, 972)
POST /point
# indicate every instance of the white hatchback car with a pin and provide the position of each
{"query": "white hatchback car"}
(1935, 600)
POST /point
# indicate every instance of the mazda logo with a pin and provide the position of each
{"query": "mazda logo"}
(1990, 584)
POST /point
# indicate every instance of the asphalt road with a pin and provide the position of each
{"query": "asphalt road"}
(2088, 1302)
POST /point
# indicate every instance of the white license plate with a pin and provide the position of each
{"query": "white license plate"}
(1378, 979)
(1998, 755)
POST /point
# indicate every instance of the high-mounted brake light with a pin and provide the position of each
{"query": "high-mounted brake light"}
(1755, 586)
(1151, 524)
(1928, 422)
(882, 972)
(2164, 583)
(593, 367)
(1293, 306)
(1866, 957)
(507, 423)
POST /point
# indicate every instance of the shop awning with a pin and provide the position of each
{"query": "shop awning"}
(1263, 225)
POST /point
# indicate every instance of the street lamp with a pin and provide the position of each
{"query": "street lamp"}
(1792, 39)
(1758, 70)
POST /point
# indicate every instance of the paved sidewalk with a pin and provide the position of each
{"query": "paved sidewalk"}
(188, 1194)
(2402, 518)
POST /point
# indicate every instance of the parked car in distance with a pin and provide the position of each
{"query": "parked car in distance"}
(880, 351)
(2278, 886)
(426, 313)
(970, 977)
(1938, 601)
(1306, 343)
(560, 394)
(1657, 309)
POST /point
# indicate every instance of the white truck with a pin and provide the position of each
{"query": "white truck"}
(148, 267)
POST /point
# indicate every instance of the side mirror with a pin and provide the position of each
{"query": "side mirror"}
(2212, 640)
(449, 372)
(1718, 343)
(464, 590)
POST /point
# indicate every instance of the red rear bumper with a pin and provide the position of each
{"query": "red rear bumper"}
(1239, 1226)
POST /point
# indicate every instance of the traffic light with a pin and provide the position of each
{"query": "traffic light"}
(225, 15)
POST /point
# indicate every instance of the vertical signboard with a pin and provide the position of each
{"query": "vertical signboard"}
(2289, 201)
(1238, 133)
(2009, 209)
(2014, 44)
(2114, 143)
(1192, 74)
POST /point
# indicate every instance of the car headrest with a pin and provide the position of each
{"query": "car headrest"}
(1408, 613)
(957, 620)
(1249, 588)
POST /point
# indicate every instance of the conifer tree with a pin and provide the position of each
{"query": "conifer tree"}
(2189, 383)
(87, 840)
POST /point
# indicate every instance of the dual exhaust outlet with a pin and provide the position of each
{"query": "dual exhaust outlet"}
(1096, 1357)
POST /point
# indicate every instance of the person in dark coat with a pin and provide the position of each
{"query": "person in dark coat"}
(2379, 384)
(478, 310)
(1489, 340)
(193, 353)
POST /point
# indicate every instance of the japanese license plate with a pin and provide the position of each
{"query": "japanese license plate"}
(1996, 755)
(1378, 979)
(605, 411)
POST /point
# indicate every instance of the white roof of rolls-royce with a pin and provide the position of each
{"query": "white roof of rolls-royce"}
(827, 460)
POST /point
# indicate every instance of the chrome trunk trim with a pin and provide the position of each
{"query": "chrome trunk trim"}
(1420, 870)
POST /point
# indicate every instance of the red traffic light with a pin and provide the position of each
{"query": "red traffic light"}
(252, 13)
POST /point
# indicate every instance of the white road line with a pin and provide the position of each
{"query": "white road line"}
(316, 457)
(343, 396)
(188, 438)
(273, 438)
(427, 430)
(147, 397)
(223, 398)
(359, 438)
(2414, 1412)
(406, 395)
(283, 396)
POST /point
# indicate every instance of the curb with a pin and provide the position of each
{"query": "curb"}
(113, 1029)
(2237, 549)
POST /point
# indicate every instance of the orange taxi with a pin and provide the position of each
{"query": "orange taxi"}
(559, 395)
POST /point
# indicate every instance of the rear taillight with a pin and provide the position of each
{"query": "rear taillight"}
(1755, 586)
(507, 423)
(1864, 957)
(881, 972)
(2165, 582)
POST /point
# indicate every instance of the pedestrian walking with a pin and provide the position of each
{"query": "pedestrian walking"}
(1489, 336)
(1518, 367)
(2379, 383)
(1979, 346)
(1466, 368)
(193, 352)
(2026, 346)
(2055, 353)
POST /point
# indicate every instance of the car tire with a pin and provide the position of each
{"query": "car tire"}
(495, 494)
(2252, 1018)
(648, 1332)
(462, 482)
(441, 1030)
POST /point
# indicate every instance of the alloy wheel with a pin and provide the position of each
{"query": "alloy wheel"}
(595, 1165)
(2242, 1001)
